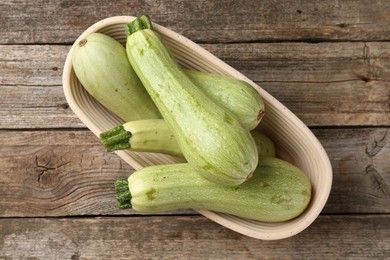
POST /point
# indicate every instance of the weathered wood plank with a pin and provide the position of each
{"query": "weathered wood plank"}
(68, 173)
(49, 173)
(202, 21)
(324, 84)
(189, 237)
(32, 107)
(360, 160)
(31, 88)
(58, 174)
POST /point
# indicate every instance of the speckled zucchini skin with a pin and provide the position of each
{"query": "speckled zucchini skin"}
(237, 96)
(212, 140)
(278, 191)
(102, 67)
(154, 136)
(265, 146)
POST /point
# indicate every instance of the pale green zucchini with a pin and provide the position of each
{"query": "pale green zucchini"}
(149, 135)
(237, 96)
(212, 140)
(278, 191)
(154, 135)
(101, 65)
(265, 146)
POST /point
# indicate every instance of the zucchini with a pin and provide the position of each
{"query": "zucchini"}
(149, 135)
(237, 96)
(212, 140)
(278, 191)
(265, 146)
(101, 65)
(154, 135)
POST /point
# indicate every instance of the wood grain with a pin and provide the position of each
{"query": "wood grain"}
(326, 84)
(188, 237)
(361, 166)
(327, 61)
(58, 21)
(68, 173)
(51, 173)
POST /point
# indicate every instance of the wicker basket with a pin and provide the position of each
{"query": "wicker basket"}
(294, 141)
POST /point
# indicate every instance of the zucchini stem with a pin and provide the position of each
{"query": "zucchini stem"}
(116, 139)
(122, 193)
(146, 22)
(140, 23)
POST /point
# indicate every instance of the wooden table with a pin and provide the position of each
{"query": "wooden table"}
(327, 61)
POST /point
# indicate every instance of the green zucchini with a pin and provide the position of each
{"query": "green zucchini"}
(237, 96)
(101, 65)
(149, 135)
(278, 191)
(212, 140)
(154, 135)
(265, 146)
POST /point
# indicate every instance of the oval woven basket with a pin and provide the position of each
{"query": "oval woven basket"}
(294, 141)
